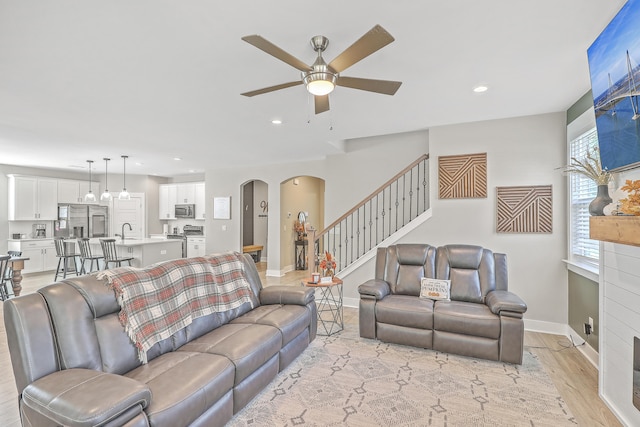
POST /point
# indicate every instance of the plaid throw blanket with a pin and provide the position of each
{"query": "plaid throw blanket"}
(161, 299)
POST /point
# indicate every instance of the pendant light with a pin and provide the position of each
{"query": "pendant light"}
(106, 196)
(90, 197)
(124, 194)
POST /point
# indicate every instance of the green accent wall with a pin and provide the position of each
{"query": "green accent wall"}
(583, 303)
(580, 106)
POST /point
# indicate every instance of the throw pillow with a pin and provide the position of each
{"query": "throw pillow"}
(435, 289)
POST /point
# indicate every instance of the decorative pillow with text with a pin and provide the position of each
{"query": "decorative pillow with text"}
(435, 289)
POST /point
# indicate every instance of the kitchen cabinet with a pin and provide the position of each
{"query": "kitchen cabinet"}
(72, 191)
(41, 254)
(32, 198)
(186, 193)
(167, 201)
(196, 246)
(201, 203)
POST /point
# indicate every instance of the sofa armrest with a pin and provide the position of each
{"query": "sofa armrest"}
(374, 288)
(499, 301)
(287, 295)
(84, 397)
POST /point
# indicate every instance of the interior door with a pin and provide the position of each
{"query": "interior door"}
(247, 214)
(132, 212)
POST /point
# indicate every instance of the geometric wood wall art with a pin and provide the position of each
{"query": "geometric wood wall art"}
(463, 176)
(524, 209)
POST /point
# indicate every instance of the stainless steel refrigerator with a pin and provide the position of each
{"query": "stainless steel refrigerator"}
(75, 221)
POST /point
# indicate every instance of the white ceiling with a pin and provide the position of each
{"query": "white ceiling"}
(158, 79)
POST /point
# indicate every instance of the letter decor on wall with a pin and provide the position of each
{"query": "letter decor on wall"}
(462, 176)
(524, 209)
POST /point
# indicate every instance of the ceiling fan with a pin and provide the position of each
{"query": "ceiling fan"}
(321, 78)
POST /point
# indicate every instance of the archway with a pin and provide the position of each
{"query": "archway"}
(299, 194)
(254, 221)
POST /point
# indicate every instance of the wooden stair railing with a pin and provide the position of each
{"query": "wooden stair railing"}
(390, 207)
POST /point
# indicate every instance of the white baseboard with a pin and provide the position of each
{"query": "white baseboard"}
(587, 351)
(351, 302)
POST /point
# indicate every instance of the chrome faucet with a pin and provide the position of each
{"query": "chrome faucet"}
(130, 229)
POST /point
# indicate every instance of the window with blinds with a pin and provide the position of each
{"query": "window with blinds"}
(583, 190)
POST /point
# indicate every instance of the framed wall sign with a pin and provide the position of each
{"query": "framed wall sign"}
(222, 207)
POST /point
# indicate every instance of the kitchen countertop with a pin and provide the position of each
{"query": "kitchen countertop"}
(137, 242)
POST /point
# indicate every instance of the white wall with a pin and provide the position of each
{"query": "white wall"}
(366, 164)
(520, 151)
(619, 324)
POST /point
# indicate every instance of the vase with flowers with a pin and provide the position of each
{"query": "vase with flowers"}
(327, 264)
(591, 167)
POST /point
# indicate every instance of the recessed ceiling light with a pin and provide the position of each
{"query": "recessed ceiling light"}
(276, 121)
(139, 164)
(481, 88)
(177, 158)
(192, 171)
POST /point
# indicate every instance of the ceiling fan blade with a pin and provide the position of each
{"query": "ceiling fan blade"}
(375, 39)
(322, 103)
(271, 88)
(273, 50)
(387, 87)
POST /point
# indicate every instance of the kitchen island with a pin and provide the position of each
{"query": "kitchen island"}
(144, 251)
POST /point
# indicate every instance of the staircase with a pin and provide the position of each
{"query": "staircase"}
(384, 216)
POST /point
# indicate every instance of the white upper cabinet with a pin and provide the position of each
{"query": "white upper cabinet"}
(32, 198)
(72, 191)
(167, 201)
(191, 193)
(186, 193)
(200, 200)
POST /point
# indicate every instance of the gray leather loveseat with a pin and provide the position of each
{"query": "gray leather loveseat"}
(74, 364)
(482, 319)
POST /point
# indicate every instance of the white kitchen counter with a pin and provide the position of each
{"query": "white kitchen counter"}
(144, 251)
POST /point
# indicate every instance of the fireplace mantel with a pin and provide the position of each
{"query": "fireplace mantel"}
(615, 229)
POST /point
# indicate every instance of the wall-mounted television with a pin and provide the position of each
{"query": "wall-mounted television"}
(615, 84)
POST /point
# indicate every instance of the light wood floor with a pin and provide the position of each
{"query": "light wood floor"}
(575, 378)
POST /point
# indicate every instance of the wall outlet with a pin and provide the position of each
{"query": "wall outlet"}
(587, 329)
(591, 322)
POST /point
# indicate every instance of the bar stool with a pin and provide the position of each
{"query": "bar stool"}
(111, 254)
(9, 273)
(4, 263)
(85, 254)
(66, 259)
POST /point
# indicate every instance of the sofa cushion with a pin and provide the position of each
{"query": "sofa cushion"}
(248, 346)
(466, 318)
(289, 319)
(405, 310)
(183, 385)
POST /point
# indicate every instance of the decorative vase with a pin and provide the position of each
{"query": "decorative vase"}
(328, 272)
(597, 205)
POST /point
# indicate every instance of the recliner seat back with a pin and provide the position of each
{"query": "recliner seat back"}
(471, 270)
(403, 265)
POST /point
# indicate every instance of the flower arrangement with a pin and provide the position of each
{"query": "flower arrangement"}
(590, 167)
(327, 264)
(631, 203)
(298, 227)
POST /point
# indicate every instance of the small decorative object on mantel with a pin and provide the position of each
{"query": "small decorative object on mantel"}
(591, 167)
(327, 264)
(631, 204)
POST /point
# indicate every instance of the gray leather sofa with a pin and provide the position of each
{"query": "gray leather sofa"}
(74, 365)
(482, 319)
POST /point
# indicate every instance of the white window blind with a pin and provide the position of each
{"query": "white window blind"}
(583, 191)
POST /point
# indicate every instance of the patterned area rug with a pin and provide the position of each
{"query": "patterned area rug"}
(345, 380)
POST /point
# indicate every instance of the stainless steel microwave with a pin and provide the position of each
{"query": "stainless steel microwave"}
(185, 211)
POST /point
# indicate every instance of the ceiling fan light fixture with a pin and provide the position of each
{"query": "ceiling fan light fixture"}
(320, 83)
